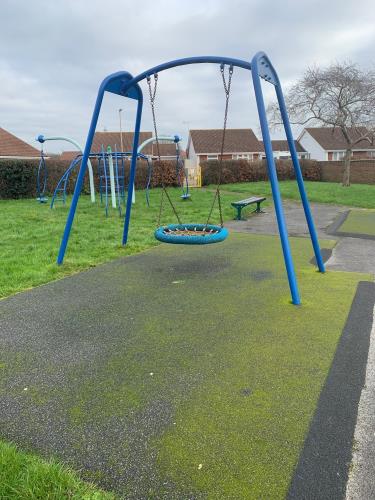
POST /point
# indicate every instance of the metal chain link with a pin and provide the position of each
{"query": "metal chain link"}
(152, 93)
(227, 87)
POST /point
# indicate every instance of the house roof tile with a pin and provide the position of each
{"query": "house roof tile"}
(332, 139)
(69, 155)
(281, 145)
(237, 140)
(113, 139)
(12, 146)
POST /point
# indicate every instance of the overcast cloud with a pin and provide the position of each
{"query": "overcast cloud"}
(55, 53)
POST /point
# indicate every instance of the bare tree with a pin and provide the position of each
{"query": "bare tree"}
(341, 96)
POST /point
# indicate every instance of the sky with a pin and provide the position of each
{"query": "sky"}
(54, 55)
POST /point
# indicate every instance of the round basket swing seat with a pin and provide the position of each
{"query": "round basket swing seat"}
(191, 234)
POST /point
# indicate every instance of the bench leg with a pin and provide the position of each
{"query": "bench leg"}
(238, 216)
(258, 210)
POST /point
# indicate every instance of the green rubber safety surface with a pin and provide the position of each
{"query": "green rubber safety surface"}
(359, 222)
(181, 372)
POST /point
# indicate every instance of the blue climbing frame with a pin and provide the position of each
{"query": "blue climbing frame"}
(124, 84)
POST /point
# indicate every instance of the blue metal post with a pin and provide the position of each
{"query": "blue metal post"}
(133, 165)
(301, 186)
(81, 175)
(117, 182)
(274, 183)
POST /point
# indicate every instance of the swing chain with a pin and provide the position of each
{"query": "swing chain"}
(227, 88)
(152, 93)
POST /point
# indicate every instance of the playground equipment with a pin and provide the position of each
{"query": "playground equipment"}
(111, 171)
(41, 179)
(43, 139)
(193, 234)
(60, 191)
(175, 138)
(180, 167)
(124, 84)
(110, 163)
(183, 181)
(111, 167)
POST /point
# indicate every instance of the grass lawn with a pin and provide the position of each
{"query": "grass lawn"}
(31, 232)
(358, 221)
(357, 195)
(25, 476)
(31, 235)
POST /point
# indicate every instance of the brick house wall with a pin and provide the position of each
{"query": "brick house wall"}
(361, 171)
(356, 155)
(202, 158)
(361, 155)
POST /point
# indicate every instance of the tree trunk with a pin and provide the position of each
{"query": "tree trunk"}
(346, 176)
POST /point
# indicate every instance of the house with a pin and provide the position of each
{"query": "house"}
(328, 143)
(240, 143)
(13, 147)
(281, 150)
(69, 155)
(113, 139)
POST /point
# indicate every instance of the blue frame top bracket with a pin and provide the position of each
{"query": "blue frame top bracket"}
(117, 83)
(265, 69)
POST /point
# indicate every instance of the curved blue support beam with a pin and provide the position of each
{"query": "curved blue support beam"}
(64, 179)
(111, 84)
(299, 178)
(133, 165)
(268, 73)
(184, 62)
(272, 174)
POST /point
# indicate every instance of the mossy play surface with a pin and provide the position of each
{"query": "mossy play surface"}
(359, 222)
(176, 373)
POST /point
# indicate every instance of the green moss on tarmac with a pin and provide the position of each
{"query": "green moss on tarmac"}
(218, 376)
(359, 222)
(240, 433)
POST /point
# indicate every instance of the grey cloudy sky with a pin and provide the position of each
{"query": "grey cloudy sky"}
(54, 54)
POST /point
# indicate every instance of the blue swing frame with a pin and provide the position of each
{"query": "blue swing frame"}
(124, 84)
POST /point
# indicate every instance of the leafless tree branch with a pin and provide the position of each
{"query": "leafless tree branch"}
(341, 96)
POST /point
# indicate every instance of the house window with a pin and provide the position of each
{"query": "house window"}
(242, 156)
(338, 155)
(212, 157)
(371, 154)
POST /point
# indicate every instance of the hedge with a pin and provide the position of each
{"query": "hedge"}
(18, 178)
(251, 171)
